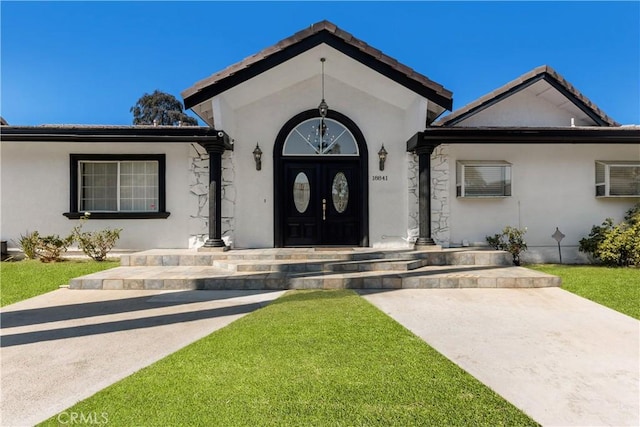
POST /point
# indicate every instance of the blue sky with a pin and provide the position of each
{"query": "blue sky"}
(88, 62)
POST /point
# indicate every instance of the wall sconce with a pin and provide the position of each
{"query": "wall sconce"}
(382, 155)
(257, 156)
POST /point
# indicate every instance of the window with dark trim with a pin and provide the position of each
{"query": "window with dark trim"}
(126, 186)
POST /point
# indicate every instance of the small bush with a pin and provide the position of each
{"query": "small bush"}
(621, 247)
(29, 244)
(95, 244)
(615, 245)
(589, 245)
(50, 248)
(511, 240)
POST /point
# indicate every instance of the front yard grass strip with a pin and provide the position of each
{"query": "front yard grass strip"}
(24, 279)
(615, 287)
(316, 358)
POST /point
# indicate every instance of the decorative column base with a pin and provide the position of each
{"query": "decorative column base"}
(426, 244)
(213, 245)
(428, 248)
(425, 241)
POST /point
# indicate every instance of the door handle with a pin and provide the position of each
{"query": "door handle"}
(324, 209)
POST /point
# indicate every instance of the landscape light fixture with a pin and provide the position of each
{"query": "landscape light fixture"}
(257, 156)
(558, 236)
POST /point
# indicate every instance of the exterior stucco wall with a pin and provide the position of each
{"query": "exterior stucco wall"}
(524, 109)
(35, 193)
(552, 186)
(260, 122)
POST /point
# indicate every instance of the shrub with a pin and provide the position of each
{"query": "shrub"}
(589, 245)
(621, 247)
(95, 244)
(29, 244)
(50, 248)
(633, 215)
(615, 245)
(511, 240)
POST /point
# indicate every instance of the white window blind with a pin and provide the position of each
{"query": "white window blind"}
(483, 178)
(617, 179)
(118, 186)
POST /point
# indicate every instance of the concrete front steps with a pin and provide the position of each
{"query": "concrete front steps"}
(308, 268)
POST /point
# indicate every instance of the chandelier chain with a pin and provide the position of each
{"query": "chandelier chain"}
(322, 60)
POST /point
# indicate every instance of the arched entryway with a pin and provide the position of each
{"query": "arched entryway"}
(320, 182)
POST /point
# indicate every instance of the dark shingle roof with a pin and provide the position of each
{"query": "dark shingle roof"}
(543, 72)
(321, 32)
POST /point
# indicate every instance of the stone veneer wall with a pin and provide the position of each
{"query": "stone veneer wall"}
(440, 193)
(440, 211)
(412, 224)
(199, 192)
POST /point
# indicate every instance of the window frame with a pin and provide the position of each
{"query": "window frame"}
(606, 184)
(74, 180)
(323, 154)
(460, 178)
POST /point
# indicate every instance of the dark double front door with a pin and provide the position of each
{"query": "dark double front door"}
(322, 200)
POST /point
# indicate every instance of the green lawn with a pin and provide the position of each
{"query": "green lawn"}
(20, 280)
(312, 358)
(616, 288)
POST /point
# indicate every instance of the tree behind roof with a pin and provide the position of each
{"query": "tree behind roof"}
(162, 107)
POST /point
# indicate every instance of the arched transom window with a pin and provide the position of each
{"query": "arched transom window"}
(315, 137)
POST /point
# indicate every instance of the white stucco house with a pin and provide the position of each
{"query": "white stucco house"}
(379, 164)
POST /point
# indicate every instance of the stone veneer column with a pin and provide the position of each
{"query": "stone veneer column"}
(424, 152)
(228, 198)
(199, 191)
(440, 187)
(413, 214)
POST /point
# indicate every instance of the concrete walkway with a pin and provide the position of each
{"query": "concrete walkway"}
(563, 360)
(64, 346)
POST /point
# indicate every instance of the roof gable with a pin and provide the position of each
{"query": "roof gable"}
(543, 73)
(321, 32)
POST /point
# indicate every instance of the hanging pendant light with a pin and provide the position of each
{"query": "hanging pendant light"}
(323, 108)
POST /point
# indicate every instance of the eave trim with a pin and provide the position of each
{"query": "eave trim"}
(130, 134)
(582, 135)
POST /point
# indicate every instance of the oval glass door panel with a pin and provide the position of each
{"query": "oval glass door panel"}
(340, 192)
(301, 192)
